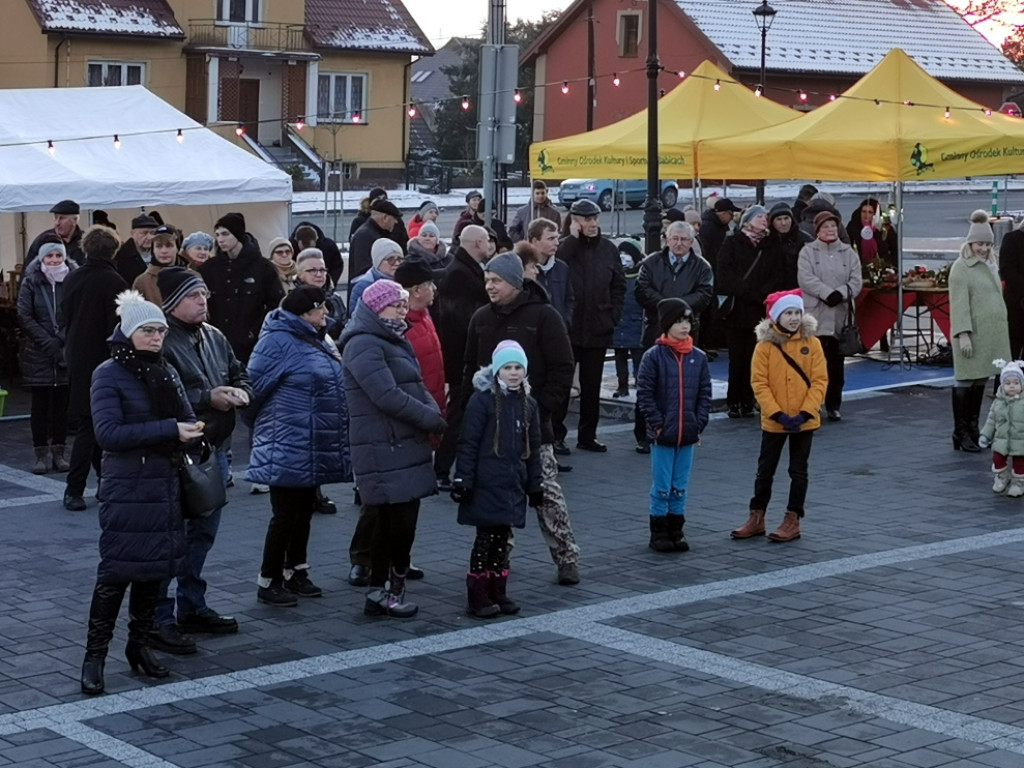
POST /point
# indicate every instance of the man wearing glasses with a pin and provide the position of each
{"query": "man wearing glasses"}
(216, 384)
(385, 256)
(677, 271)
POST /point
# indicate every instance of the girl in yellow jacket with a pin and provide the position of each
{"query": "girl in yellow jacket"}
(789, 377)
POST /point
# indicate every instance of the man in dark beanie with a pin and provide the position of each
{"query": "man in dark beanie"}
(243, 285)
(216, 384)
(520, 310)
(784, 242)
(136, 251)
(89, 317)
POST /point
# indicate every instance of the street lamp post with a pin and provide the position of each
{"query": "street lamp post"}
(764, 15)
(652, 205)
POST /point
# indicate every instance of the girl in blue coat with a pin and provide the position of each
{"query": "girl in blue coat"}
(142, 421)
(497, 470)
(674, 395)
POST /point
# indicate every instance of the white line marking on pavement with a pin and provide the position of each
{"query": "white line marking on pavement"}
(24, 501)
(35, 482)
(581, 623)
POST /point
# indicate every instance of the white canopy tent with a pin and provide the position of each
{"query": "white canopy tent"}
(192, 182)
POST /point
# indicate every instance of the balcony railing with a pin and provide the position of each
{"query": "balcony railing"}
(262, 36)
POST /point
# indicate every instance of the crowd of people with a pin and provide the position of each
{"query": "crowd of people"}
(447, 369)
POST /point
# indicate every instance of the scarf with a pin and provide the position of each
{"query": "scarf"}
(681, 348)
(57, 273)
(755, 237)
(396, 326)
(287, 274)
(155, 375)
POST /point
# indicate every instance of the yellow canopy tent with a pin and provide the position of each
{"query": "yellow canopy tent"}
(693, 110)
(903, 136)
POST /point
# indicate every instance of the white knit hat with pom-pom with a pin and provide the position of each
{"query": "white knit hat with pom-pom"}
(981, 230)
(136, 312)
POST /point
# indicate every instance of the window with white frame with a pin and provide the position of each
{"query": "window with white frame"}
(628, 34)
(239, 11)
(115, 73)
(340, 97)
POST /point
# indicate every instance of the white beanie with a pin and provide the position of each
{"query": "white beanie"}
(1008, 369)
(136, 312)
(980, 231)
(382, 248)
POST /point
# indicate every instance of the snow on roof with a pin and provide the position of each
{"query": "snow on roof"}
(366, 25)
(852, 36)
(151, 18)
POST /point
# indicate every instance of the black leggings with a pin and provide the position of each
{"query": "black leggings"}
(49, 416)
(288, 531)
(393, 534)
(490, 549)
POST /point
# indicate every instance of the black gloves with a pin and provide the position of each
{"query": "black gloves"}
(834, 299)
(536, 498)
(460, 493)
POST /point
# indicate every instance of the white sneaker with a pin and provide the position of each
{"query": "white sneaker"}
(259, 488)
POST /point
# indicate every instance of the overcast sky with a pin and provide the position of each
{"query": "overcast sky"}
(439, 22)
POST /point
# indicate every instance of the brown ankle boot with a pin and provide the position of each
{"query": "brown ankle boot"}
(753, 527)
(789, 530)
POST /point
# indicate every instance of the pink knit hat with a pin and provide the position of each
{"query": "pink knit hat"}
(383, 293)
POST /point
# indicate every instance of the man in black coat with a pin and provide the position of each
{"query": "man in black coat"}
(89, 317)
(384, 216)
(65, 230)
(136, 252)
(309, 235)
(519, 309)
(216, 384)
(674, 272)
(1011, 270)
(783, 245)
(460, 294)
(243, 285)
(599, 285)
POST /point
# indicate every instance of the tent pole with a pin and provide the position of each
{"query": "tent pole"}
(899, 271)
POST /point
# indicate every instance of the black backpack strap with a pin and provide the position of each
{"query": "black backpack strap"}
(794, 366)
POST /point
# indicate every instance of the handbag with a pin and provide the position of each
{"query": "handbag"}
(848, 337)
(202, 487)
(726, 304)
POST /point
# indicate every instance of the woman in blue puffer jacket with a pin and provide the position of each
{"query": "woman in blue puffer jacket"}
(674, 394)
(299, 435)
(142, 421)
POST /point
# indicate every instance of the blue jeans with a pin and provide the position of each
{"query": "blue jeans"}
(670, 468)
(199, 535)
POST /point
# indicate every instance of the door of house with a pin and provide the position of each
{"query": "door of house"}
(249, 106)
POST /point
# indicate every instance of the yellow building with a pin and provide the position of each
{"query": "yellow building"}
(340, 68)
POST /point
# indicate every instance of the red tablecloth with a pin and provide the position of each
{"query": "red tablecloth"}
(877, 313)
(937, 303)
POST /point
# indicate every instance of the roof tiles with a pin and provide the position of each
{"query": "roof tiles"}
(149, 18)
(365, 25)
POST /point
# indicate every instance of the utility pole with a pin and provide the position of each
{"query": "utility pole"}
(652, 206)
(591, 75)
(496, 107)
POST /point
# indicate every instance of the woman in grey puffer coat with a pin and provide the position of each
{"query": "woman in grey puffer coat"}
(43, 367)
(829, 274)
(391, 418)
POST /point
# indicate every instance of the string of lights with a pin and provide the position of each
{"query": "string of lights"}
(615, 78)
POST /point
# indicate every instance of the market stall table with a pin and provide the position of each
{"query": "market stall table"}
(876, 312)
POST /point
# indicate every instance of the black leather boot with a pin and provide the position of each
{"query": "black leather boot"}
(675, 533)
(106, 604)
(141, 611)
(962, 438)
(976, 399)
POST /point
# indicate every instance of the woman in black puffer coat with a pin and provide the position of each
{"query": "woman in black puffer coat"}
(142, 421)
(43, 367)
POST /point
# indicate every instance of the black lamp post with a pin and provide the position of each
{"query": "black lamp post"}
(764, 15)
(652, 205)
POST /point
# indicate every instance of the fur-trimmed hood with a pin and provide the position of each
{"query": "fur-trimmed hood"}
(483, 380)
(766, 330)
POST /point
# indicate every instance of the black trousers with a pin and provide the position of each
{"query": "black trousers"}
(768, 462)
(393, 536)
(835, 364)
(49, 418)
(490, 549)
(85, 453)
(362, 537)
(741, 343)
(444, 456)
(288, 531)
(591, 363)
(622, 360)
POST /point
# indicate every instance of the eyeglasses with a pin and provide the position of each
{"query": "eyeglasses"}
(677, 239)
(401, 306)
(315, 271)
(149, 330)
(394, 259)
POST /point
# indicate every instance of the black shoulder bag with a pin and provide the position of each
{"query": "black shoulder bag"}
(202, 487)
(726, 304)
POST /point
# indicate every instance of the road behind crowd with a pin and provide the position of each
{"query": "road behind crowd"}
(888, 636)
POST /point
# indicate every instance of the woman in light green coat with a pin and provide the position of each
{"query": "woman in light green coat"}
(978, 327)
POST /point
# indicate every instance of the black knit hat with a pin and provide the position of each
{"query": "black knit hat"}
(779, 209)
(671, 310)
(303, 298)
(233, 223)
(175, 283)
(413, 273)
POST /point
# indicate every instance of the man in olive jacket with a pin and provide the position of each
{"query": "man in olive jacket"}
(519, 310)
(599, 285)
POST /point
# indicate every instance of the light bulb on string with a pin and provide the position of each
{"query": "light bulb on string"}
(878, 103)
(718, 85)
(239, 130)
(831, 97)
(947, 113)
(661, 92)
(803, 96)
(988, 112)
(180, 137)
(517, 97)
(758, 91)
(50, 148)
(615, 80)
(907, 103)
(412, 110)
(682, 74)
(465, 103)
(117, 142)
(299, 124)
(565, 86)
(357, 118)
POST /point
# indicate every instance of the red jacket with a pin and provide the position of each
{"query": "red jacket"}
(427, 346)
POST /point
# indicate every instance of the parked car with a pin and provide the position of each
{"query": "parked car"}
(632, 192)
